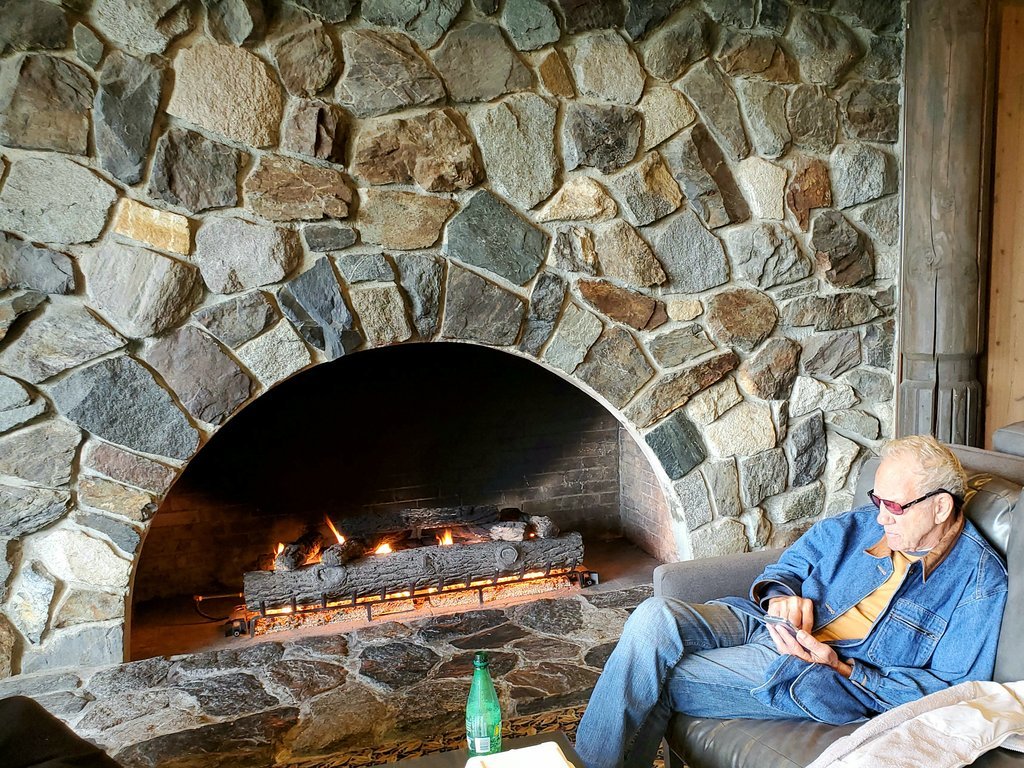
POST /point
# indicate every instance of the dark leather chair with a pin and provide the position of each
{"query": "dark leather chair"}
(30, 737)
(738, 743)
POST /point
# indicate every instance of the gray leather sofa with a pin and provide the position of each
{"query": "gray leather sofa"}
(737, 743)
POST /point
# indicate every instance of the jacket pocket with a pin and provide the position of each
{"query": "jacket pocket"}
(907, 636)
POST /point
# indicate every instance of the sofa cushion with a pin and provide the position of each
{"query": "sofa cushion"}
(1009, 439)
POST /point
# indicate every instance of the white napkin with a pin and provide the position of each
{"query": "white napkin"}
(546, 755)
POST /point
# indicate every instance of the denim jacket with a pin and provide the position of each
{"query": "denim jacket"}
(934, 633)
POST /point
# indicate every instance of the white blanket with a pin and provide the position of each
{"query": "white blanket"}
(946, 729)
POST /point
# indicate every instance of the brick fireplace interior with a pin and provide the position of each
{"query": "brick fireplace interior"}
(439, 425)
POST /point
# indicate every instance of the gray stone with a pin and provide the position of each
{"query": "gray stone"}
(88, 47)
(23, 265)
(14, 306)
(678, 445)
(238, 320)
(574, 248)
(282, 188)
(530, 23)
(486, 7)
(761, 475)
(477, 64)
(603, 137)
(769, 373)
(194, 172)
(741, 54)
(305, 60)
(144, 25)
(873, 386)
(757, 526)
(424, 22)
(809, 395)
(774, 16)
(694, 502)
(546, 301)
(118, 464)
(843, 253)
(365, 268)
(826, 48)
(796, 504)
(478, 310)
(316, 129)
(142, 292)
(516, 139)
(882, 220)
(314, 304)
(879, 344)
(384, 73)
(876, 15)
(125, 678)
(489, 234)
(677, 44)
(677, 347)
(830, 313)
(842, 454)
(672, 392)
(560, 618)
(647, 191)
(577, 331)
(229, 91)
(697, 163)
(62, 337)
(31, 597)
(709, 91)
(606, 68)
(42, 453)
(733, 13)
(723, 482)
(208, 382)
(231, 694)
(741, 317)
(27, 510)
(642, 16)
(861, 173)
(831, 354)
(615, 367)
(721, 537)
(28, 25)
(328, 236)
(397, 665)
(622, 254)
(40, 685)
(118, 400)
(743, 430)
(235, 255)
(382, 315)
(807, 449)
(37, 189)
(871, 110)
(884, 59)
(767, 255)
(583, 15)
(124, 110)
(813, 118)
(17, 405)
(331, 11)
(420, 276)
(44, 104)
(275, 355)
(764, 106)
(857, 424)
(693, 258)
(124, 536)
(235, 21)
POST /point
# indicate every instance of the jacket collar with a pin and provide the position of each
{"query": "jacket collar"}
(934, 558)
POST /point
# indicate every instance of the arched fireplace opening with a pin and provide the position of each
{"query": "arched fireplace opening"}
(443, 425)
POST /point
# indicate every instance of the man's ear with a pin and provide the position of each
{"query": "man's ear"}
(945, 508)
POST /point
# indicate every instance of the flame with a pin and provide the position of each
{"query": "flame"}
(335, 531)
(445, 539)
(383, 549)
(280, 548)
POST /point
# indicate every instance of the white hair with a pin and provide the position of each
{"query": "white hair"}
(939, 466)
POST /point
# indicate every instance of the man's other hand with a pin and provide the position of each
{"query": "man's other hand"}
(798, 610)
(804, 646)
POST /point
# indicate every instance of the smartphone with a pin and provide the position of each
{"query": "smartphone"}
(780, 621)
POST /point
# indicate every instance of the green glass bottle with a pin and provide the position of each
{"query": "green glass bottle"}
(483, 714)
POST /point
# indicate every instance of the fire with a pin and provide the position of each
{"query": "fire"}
(383, 549)
(445, 539)
(280, 548)
(335, 531)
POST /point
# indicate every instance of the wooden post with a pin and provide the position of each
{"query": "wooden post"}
(947, 137)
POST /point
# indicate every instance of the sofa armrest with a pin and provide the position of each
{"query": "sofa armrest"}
(697, 581)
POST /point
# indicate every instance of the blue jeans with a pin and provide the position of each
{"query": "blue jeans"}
(701, 660)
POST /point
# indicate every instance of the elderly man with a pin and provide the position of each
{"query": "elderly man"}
(867, 610)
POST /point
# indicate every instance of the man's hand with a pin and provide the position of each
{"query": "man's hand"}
(799, 611)
(805, 647)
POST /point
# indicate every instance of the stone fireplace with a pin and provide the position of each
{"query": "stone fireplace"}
(686, 210)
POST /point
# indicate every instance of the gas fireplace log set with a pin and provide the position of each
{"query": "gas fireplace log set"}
(477, 546)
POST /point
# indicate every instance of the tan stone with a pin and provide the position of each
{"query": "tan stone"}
(675, 391)
(402, 220)
(810, 188)
(156, 228)
(580, 199)
(666, 111)
(554, 74)
(382, 315)
(109, 496)
(284, 189)
(765, 186)
(624, 255)
(684, 310)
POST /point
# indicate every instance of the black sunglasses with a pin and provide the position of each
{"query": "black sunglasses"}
(895, 508)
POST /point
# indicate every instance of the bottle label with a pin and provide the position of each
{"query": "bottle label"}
(482, 744)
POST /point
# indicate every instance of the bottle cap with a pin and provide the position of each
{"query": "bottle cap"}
(480, 660)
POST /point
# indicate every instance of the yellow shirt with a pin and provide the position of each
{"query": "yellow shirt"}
(856, 622)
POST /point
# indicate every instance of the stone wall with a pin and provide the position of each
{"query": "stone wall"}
(687, 208)
(645, 512)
